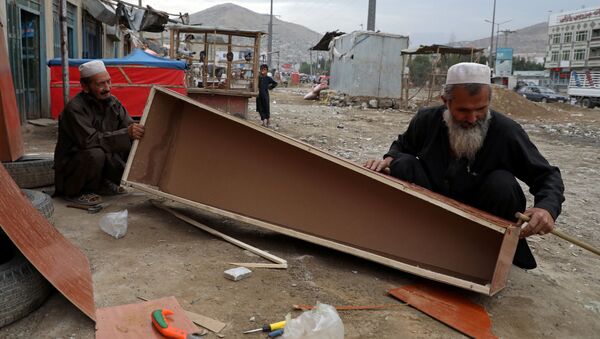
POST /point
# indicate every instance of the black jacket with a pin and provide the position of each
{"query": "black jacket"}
(505, 147)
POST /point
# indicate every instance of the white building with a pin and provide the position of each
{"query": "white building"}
(573, 44)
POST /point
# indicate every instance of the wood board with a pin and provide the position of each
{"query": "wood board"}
(199, 156)
(55, 257)
(134, 320)
(11, 140)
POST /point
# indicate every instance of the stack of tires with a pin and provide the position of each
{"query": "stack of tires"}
(22, 288)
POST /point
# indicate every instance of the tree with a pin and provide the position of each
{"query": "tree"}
(420, 69)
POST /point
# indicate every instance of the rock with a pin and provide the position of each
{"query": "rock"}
(237, 273)
(373, 103)
(364, 105)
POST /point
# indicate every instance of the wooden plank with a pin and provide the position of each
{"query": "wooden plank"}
(281, 262)
(11, 140)
(134, 320)
(57, 259)
(199, 156)
(206, 322)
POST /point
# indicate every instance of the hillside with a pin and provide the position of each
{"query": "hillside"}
(292, 40)
(529, 41)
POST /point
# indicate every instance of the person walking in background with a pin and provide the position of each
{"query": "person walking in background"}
(265, 84)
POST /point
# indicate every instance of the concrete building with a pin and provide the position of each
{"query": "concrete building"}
(366, 63)
(31, 29)
(573, 44)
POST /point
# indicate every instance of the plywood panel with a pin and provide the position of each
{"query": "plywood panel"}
(57, 259)
(134, 321)
(229, 164)
(11, 140)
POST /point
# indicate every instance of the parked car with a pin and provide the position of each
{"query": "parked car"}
(541, 94)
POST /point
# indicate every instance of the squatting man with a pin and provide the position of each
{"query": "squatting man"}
(468, 152)
(95, 134)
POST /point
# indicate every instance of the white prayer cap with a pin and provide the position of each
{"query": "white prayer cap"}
(91, 68)
(468, 73)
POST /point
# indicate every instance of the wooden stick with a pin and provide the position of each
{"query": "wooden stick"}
(281, 262)
(564, 236)
(304, 307)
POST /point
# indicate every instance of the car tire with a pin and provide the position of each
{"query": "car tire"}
(586, 102)
(22, 288)
(31, 171)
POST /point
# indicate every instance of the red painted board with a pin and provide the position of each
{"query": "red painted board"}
(55, 257)
(134, 320)
(11, 140)
(447, 306)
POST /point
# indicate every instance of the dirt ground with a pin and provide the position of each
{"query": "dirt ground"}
(162, 256)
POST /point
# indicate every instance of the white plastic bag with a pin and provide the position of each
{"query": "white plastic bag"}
(323, 322)
(114, 223)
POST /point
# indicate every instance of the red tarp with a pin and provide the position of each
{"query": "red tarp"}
(130, 84)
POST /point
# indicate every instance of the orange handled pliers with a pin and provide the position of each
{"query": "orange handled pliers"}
(159, 320)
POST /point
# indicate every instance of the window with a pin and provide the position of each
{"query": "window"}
(596, 34)
(556, 39)
(579, 54)
(554, 56)
(568, 37)
(581, 36)
(595, 53)
(566, 55)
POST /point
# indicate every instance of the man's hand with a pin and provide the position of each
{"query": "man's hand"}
(541, 222)
(135, 131)
(379, 165)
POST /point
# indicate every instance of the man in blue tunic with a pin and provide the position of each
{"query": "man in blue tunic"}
(470, 153)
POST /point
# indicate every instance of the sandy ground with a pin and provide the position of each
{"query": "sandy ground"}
(162, 256)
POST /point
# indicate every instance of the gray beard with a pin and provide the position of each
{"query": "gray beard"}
(466, 142)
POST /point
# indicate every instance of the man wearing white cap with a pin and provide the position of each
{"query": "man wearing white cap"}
(467, 152)
(95, 133)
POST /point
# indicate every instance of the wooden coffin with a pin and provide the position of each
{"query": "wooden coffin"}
(201, 157)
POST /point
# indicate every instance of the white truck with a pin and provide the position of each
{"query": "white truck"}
(584, 87)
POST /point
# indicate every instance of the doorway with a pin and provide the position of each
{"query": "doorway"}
(30, 89)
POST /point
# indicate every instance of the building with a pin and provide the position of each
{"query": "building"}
(32, 30)
(369, 64)
(573, 44)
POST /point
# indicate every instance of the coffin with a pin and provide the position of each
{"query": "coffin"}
(207, 159)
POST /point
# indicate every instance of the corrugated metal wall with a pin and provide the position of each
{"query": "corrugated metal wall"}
(368, 64)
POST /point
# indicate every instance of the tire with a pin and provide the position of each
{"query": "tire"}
(41, 201)
(586, 102)
(31, 171)
(22, 288)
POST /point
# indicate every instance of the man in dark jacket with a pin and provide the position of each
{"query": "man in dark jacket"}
(95, 134)
(465, 151)
(265, 84)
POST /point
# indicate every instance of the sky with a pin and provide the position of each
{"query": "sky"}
(424, 21)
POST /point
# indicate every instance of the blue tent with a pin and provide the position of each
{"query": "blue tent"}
(137, 57)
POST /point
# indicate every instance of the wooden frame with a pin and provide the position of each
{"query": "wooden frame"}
(198, 156)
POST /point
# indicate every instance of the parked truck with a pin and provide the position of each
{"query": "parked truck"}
(584, 87)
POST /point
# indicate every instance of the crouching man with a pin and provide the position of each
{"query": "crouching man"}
(95, 134)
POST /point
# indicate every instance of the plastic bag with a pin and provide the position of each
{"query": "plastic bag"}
(114, 223)
(323, 322)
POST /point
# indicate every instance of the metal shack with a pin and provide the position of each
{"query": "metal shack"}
(366, 63)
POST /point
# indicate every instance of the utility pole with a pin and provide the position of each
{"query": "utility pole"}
(270, 44)
(491, 59)
(64, 48)
(371, 16)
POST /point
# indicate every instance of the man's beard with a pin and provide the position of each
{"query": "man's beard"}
(466, 142)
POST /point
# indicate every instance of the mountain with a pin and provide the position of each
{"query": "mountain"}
(291, 40)
(530, 41)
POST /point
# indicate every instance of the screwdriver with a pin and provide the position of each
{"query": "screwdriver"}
(268, 327)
